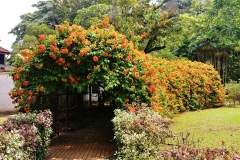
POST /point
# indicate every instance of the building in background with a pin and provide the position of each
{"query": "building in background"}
(6, 83)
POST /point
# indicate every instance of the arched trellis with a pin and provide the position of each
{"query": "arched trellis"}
(75, 58)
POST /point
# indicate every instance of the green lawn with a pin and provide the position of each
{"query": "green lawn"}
(212, 126)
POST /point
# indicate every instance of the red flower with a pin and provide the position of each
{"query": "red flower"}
(124, 46)
(53, 42)
(88, 76)
(29, 98)
(126, 100)
(134, 69)
(41, 88)
(56, 49)
(64, 51)
(20, 101)
(71, 79)
(25, 83)
(105, 54)
(132, 87)
(41, 48)
(137, 75)
(64, 80)
(131, 109)
(16, 77)
(78, 61)
(30, 93)
(24, 53)
(61, 60)
(95, 58)
(41, 37)
(114, 46)
(144, 34)
(125, 72)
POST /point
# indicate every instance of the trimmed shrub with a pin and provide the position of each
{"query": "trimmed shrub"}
(30, 133)
(187, 153)
(140, 133)
(11, 144)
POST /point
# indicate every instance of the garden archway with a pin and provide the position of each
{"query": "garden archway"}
(75, 58)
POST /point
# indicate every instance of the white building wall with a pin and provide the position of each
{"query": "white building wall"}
(6, 84)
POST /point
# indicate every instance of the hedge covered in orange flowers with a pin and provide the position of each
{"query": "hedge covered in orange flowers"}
(75, 57)
(182, 85)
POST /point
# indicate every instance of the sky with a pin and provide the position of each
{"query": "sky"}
(10, 13)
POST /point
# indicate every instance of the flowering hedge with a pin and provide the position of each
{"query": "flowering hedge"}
(26, 136)
(181, 85)
(75, 57)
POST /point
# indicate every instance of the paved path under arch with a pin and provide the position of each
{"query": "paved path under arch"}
(92, 142)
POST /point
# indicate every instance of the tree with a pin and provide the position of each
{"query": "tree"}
(30, 37)
(51, 13)
(92, 14)
(147, 26)
(217, 38)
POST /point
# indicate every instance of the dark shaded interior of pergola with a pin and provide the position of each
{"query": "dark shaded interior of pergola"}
(72, 110)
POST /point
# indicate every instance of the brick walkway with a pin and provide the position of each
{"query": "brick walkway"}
(93, 142)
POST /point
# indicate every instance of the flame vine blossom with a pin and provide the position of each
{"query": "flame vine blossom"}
(75, 57)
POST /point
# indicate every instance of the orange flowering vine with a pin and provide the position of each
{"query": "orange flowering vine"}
(166, 86)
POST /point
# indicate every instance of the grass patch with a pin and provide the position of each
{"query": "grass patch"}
(212, 126)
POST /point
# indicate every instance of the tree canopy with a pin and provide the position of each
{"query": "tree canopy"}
(206, 31)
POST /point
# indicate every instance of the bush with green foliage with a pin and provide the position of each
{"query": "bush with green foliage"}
(11, 144)
(26, 136)
(140, 133)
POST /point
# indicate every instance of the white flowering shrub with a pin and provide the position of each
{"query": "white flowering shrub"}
(30, 134)
(140, 134)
